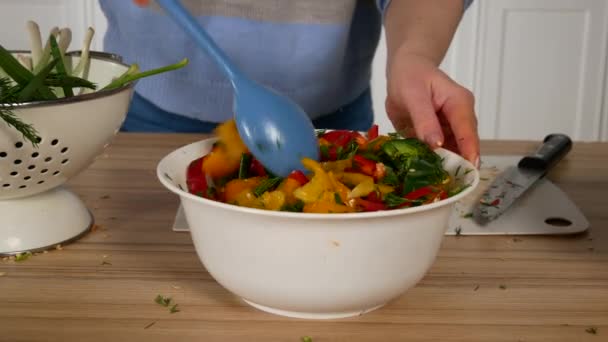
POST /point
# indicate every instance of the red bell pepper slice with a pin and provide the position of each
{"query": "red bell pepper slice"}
(416, 194)
(341, 137)
(374, 197)
(256, 168)
(298, 176)
(371, 206)
(364, 165)
(195, 178)
(372, 133)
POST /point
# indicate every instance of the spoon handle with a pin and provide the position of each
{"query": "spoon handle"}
(182, 17)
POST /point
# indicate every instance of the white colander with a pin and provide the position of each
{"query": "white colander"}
(36, 211)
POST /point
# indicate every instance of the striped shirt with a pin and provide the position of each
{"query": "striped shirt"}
(317, 52)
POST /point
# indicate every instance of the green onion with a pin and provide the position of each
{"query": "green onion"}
(266, 185)
(245, 165)
(57, 56)
(126, 78)
(55, 80)
(36, 84)
(13, 68)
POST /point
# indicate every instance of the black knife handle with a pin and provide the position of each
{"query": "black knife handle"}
(552, 150)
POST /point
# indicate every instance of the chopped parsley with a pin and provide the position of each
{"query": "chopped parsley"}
(23, 256)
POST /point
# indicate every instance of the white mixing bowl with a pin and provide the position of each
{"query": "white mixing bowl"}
(313, 265)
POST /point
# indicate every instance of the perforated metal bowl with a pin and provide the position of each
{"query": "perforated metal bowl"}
(73, 131)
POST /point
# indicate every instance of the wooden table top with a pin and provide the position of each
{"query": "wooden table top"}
(483, 288)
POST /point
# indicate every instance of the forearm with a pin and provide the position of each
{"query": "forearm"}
(421, 27)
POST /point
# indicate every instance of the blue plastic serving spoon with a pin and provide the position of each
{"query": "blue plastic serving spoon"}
(274, 128)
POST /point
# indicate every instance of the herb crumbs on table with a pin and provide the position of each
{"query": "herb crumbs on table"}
(591, 330)
(23, 256)
(476, 287)
(306, 339)
(502, 286)
(149, 325)
(162, 300)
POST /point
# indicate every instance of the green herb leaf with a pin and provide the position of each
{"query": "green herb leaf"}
(266, 185)
(23, 256)
(306, 339)
(174, 309)
(8, 95)
(338, 199)
(468, 215)
(457, 171)
(297, 207)
(162, 300)
(393, 200)
(324, 151)
(211, 192)
(390, 178)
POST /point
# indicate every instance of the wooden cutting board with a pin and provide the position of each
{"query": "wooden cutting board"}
(543, 210)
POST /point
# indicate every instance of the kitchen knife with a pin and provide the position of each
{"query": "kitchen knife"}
(515, 180)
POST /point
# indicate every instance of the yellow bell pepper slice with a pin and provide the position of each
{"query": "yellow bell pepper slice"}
(288, 186)
(338, 165)
(341, 189)
(353, 178)
(246, 198)
(384, 188)
(362, 189)
(319, 183)
(273, 200)
(327, 204)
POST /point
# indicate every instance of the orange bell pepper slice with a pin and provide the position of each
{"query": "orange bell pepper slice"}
(235, 187)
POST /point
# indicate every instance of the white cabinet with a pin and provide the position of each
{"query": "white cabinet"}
(535, 66)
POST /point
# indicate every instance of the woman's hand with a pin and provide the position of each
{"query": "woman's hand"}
(424, 102)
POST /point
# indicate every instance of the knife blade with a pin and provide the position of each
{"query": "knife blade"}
(516, 180)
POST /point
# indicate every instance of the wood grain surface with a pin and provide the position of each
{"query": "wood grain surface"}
(486, 288)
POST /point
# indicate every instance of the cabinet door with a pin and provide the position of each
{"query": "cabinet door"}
(77, 15)
(541, 68)
(535, 66)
